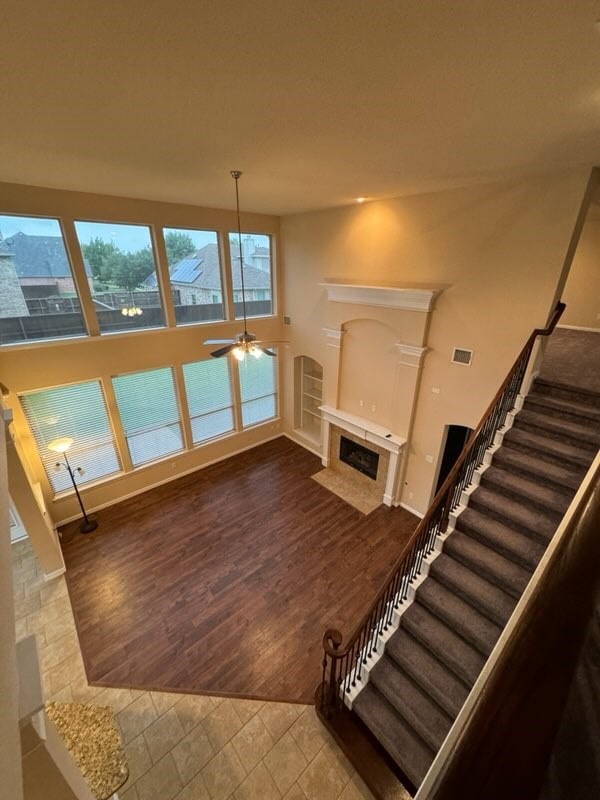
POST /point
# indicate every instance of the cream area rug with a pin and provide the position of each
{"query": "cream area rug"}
(353, 492)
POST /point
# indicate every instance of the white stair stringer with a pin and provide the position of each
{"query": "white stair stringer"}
(353, 685)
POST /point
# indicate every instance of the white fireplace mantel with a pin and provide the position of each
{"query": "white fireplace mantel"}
(409, 299)
(370, 432)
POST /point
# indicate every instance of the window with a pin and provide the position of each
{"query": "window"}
(256, 255)
(195, 272)
(149, 414)
(77, 412)
(208, 391)
(38, 298)
(120, 261)
(257, 389)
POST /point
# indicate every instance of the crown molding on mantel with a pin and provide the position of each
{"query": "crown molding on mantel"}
(413, 299)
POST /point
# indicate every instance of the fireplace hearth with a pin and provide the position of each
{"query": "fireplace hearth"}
(359, 457)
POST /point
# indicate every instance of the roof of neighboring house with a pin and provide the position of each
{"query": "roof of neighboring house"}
(40, 256)
(201, 269)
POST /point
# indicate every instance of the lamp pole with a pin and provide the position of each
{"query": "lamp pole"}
(88, 525)
(61, 446)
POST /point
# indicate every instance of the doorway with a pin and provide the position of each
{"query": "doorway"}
(456, 438)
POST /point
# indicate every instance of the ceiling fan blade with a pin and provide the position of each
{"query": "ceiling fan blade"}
(266, 351)
(218, 341)
(222, 351)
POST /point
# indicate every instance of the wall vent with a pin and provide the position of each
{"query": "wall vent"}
(462, 356)
(287, 320)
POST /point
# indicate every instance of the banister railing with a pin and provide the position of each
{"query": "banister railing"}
(343, 666)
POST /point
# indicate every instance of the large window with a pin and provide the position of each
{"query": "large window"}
(256, 257)
(208, 391)
(195, 273)
(77, 412)
(258, 389)
(124, 286)
(38, 298)
(149, 414)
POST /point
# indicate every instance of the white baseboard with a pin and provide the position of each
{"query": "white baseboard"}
(171, 478)
(50, 576)
(412, 510)
(302, 442)
(579, 328)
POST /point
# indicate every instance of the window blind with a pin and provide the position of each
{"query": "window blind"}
(79, 412)
(257, 389)
(148, 409)
(208, 392)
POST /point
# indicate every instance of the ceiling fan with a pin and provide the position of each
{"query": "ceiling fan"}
(244, 343)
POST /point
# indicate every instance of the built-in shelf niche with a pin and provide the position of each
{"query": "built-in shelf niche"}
(308, 397)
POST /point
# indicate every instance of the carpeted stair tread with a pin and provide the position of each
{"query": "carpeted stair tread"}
(546, 449)
(525, 519)
(469, 623)
(564, 391)
(465, 661)
(561, 478)
(421, 712)
(517, 546)
(480, 593)
(488, 562)
(407, 749)
(555, 428)
(526, 490)
(556, 406)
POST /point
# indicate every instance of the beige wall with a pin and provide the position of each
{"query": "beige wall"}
(10, 747)
(498, 249)
(33, 366)
(582, 289)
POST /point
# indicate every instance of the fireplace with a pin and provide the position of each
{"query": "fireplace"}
(387, 449)
(359, 457)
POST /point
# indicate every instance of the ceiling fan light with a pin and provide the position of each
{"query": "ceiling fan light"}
(239, 353)
(256, 352)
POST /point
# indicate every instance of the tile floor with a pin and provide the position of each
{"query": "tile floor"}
(185, 747)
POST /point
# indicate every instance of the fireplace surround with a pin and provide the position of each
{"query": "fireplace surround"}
(384, 443)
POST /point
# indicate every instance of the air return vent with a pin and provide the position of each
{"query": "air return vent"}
(462, 356)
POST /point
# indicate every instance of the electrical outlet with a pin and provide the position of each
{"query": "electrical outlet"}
(373, 407)
(435, 389)
(361, 403)
(429, 459)
(411, 495)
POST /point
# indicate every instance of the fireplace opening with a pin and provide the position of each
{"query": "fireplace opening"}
(359, 457)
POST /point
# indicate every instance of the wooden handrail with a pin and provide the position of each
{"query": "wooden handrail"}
(408, 564)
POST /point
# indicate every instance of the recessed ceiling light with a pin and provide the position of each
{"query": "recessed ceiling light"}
(360, 199)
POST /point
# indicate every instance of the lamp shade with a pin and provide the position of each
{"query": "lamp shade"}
(60, 445)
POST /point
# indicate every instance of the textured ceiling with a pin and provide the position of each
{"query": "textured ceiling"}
(317, 101)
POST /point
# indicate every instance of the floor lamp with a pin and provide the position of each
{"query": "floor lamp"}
(61, 446)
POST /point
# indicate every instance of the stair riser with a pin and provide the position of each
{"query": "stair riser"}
(440, 698)
(412, 717)
(553, 510)
(485, 572)
(582, 441)
(578, 462)
(527, 563)
(530, 473)
(577, 415)
(504, 519)
(458, 627)
(570, 395)
(479, 604)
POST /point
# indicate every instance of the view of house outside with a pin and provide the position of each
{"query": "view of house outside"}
(38, 297)
(38, 293)
(120, 259)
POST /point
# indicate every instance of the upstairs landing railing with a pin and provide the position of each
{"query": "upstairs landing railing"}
(343, 666)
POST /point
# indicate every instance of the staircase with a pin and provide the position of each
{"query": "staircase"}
(416, 689)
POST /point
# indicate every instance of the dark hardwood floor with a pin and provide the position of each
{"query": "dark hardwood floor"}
(224, 581)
